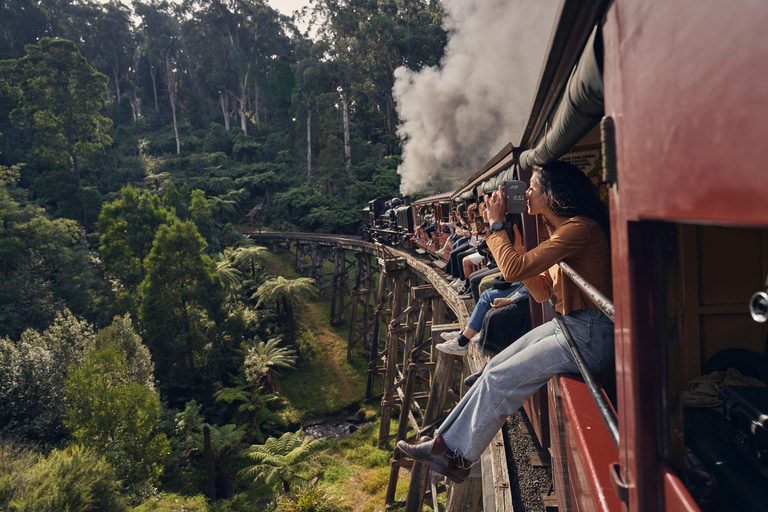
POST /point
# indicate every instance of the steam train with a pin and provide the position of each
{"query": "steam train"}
(388, 221)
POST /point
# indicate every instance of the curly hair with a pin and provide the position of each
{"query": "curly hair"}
(570, 193)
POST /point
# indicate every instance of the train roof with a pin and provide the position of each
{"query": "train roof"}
(445, 196)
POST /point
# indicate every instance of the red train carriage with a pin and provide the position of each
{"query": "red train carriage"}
(666, 105)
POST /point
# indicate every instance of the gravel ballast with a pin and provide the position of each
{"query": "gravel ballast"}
(526, 482)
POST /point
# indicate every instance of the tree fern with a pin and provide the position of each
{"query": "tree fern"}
(279, 288)
(286, 460)
(262, 362)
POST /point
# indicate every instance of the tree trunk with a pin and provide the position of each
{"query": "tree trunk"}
(256, 104)
(290, 320)
(76, 168)
(309, 147)
(345, 112)
(134, 79)
(153, 75)
(243, 124)
(243, 99)
(175, 125)
(170, 85)
(210, 472)
(116, 72)
(224, 100)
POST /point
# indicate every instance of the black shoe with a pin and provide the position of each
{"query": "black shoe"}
(442, 461)
(467, 290)
(469, 381)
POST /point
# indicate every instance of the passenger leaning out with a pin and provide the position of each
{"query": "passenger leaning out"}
(578, 222)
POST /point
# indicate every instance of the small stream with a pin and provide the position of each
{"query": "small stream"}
(334, 427)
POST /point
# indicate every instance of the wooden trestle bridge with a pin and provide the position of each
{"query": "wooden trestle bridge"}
(411, 301)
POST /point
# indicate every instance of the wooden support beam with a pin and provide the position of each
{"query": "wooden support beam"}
(420, 473)
(377, 319)
(392, 345)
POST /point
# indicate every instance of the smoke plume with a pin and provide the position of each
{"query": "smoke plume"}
(456, 116)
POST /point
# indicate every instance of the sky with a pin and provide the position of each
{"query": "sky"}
(287, 7)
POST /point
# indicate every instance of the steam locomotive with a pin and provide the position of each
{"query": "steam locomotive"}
(388, 221)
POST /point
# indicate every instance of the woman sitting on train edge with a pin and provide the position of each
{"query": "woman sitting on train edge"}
(578, 223)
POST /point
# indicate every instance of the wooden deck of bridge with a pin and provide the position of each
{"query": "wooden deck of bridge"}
(494, 485)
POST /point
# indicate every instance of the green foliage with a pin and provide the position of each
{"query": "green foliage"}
(16, 461)
(181, 301)
(200, 213)
(284, 293)
(174, 503)
(44, 266)
(59, 95)
(185, 471)
(116, 416)
(253, 410)
(122, 337)
(75, 480)
(284, 461)
(128, 226)
(308, 498)
(32, 376)
(262, 361)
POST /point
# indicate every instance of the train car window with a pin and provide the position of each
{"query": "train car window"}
(713, 399)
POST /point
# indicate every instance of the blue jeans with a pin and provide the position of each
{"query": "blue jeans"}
(517, 372)
(486, 299)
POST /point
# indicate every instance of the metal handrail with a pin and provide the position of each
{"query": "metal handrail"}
(600, 300)
(594, 388)
(606, 306)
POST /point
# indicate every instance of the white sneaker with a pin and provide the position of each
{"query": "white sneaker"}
(477, 337)
(441, 251)
(452, 347)
(448, 336)
(458, 283)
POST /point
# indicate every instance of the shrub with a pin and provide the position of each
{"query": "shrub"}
(75, 480)
(309, 498)
(174, 503)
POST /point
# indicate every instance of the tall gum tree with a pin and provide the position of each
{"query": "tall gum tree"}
(59, 96)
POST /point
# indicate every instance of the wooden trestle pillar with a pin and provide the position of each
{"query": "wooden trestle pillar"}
(423, 374)
(362, 292)
(340, 285)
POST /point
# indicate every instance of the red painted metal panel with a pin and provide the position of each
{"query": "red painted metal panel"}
(687, 83)
(676, 497)
(589, 448)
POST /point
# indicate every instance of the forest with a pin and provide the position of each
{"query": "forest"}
(151, 357)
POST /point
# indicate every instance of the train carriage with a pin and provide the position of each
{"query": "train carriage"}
(664, 105)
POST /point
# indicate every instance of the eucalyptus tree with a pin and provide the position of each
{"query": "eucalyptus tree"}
(22, 22)
(115, 45)
(58, 97)
(375, 37)
(313, 79)
(248, 33)
(163, 46)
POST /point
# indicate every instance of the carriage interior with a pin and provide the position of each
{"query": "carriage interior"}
(714, 392)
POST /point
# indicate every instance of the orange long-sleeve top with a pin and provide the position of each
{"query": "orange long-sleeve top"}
(580, 242)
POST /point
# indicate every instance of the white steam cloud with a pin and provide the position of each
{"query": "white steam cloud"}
(456, 116)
